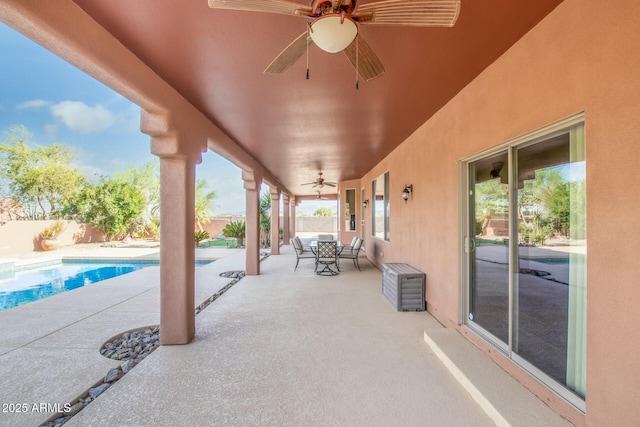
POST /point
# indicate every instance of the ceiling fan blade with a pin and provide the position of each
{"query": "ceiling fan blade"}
(369, 66)
(420, 13)
(330, 184)
(289, 55)
(283, 7)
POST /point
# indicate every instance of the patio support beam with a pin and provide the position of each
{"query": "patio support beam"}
(252, 183)
(179, 154)
(285, 219)
(275, 221)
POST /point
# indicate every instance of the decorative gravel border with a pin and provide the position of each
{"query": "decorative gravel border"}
(131, 348)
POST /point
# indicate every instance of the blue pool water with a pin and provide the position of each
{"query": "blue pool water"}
(31, 285)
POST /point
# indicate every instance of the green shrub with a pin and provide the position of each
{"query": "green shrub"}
(235, 229)
(199, 236)
(52, 231)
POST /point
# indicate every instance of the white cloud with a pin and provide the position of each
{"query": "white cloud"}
(129, 118)
(51, 130)
(35, 103)
(80, 117)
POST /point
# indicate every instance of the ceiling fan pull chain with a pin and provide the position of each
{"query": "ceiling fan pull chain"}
(308, 52)
(357, 59)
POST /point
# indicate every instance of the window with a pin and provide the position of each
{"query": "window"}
(526, 254)
(350, 209)
(380, 211)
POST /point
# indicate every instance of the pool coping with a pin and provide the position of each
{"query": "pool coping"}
(56, 330)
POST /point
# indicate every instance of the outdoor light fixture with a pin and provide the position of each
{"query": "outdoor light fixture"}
(333, 33)
(408, 189)
(495, 172)
(365, 203)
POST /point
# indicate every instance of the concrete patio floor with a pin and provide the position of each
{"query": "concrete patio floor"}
(282, 348)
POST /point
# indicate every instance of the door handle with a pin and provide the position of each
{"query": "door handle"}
(469, 245)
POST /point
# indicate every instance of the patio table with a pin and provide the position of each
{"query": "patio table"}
(313, 245)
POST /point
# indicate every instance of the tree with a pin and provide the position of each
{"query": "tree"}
(203, 203)
(543, 205)
(560, 209)
(265, 220)
(323, 212)
(146, 180)
(40, 178)
(110, 205)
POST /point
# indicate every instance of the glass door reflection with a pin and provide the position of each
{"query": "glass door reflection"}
(489, 246)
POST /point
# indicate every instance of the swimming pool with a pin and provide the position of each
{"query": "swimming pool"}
(31, 285)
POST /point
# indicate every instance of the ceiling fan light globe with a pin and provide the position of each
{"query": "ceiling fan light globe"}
(333, 33)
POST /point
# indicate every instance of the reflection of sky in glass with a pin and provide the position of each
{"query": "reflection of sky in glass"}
(32, 285)
(378, 201)
(573, 172)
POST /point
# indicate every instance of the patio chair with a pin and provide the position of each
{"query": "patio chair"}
(353, 242)
(327, 254)
(352, 252)
(301, 253)
(325, 237)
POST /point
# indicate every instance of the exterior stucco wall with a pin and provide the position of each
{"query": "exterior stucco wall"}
(215, 226)
(584, 56)
(23, 237)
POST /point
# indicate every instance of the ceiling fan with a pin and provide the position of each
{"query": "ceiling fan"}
(333, 27)
(321, 197)
(320, 182)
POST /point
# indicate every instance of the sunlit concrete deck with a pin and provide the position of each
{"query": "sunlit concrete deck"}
(281, 348)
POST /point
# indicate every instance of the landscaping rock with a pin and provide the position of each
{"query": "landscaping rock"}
(114, 374)
(97, 391)
(128, 365)
(75, 409)
(131, 348)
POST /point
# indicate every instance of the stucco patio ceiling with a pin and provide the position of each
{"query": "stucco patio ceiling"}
(294, 126)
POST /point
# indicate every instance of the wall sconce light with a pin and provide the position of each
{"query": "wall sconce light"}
(408, 189)
(365, 203)
(495, 172)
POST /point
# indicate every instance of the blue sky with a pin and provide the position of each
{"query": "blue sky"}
(58, 103)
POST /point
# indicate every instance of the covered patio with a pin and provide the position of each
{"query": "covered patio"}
(454, 103)
(272, 350)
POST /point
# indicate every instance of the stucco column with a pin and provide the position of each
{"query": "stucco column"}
(252, 183)
(178, 157)
(292, 223)
(286, 235)
(275, 221)
(177, 255)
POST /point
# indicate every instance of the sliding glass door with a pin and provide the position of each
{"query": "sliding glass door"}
(488, 247)
(526, 255)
